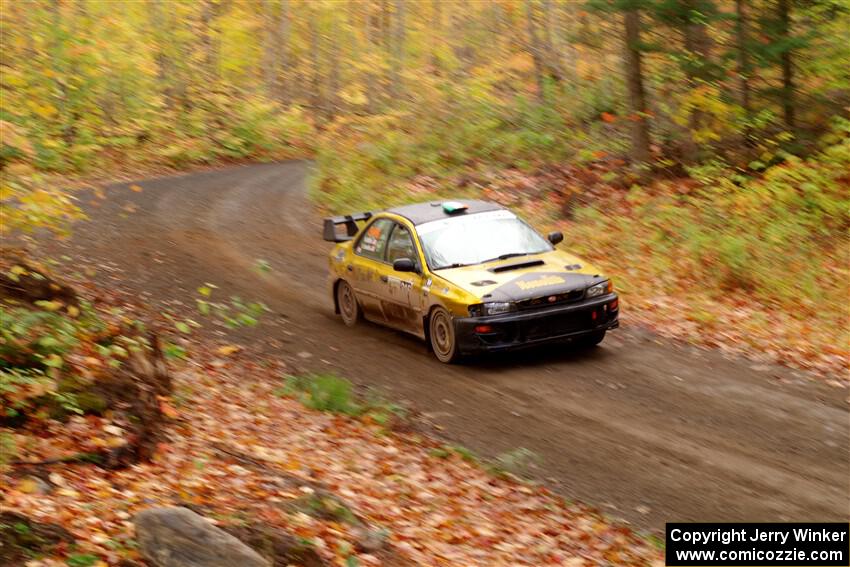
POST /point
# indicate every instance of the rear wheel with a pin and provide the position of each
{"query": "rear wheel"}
(349, 310)
(442, 334)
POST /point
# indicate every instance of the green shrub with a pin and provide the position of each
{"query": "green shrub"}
(364, 161)
(323, 392)
(188, 151)
(766, 234)
(34, 338)
(81, 560)
(517, 462)
(8, 448)
(330, 393)
(34, 345)
(446, 451)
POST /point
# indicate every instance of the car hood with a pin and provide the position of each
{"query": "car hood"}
(524, 277)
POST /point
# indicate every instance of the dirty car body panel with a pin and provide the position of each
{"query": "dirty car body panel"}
(535, 295)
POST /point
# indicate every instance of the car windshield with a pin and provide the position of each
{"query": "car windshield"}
(473, 239)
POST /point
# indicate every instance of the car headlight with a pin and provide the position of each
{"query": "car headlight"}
(602, 288)
(490, 308)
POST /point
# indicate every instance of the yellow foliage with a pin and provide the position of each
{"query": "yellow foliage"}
(27, 204)
(354, 95)
(716, 116)
(45, 110)
(12, 136)
(521, 62)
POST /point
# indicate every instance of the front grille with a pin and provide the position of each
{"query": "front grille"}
(557, 325)
(551, 299)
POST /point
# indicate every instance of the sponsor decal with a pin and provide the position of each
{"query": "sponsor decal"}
(545, 281)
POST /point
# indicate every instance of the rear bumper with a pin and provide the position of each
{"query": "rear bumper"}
(539, 326)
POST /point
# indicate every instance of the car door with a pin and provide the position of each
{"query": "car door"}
(368, 269)
(401, 293)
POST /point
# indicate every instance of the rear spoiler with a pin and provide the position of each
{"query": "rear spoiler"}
(331, 234)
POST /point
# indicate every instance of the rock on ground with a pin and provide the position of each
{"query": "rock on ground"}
(279, 547)
(178, 537)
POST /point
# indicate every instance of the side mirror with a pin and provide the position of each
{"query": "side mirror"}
(555, 236)
(404, 265)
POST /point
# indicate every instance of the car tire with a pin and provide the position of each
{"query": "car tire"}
(346, 301)
(441, 334)
(592, 339)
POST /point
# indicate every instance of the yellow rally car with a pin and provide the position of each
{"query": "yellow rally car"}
(467, 277)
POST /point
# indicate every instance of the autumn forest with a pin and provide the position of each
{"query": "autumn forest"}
(696, 151)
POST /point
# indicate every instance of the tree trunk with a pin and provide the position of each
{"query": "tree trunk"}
(284, 26)
(74, 79)
(697, 41)
(333, 77)
(563, 43)
(744, 69)
(698, 45)
(210, 12)
(551, 56)
(536, 49)
(634, 85)
(373, 31)
(270, 48)
(786, 61)
(317, 99)
(436, 33)
(386, 25)
(164, 66)
(61, 71)
(397, 47)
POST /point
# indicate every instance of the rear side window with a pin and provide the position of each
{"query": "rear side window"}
(373, 243)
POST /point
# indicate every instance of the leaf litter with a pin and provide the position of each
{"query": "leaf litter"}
(435, 510)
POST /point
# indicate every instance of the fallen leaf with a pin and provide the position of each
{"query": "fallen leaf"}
(56, 479)
(113, 430)
(168, 410)
(227, 350)
(28, 486)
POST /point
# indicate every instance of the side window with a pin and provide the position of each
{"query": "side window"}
(373, 243)
(400, 245)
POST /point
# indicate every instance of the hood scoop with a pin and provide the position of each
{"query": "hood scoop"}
(481, 283)
(516, 266)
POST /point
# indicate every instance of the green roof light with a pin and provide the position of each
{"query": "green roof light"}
(452, 207)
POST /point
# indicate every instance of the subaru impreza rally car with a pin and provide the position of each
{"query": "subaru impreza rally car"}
(468, 277)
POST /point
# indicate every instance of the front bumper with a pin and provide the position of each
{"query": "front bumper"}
(520, 329)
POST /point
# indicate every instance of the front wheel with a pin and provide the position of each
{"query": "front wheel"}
(442, 335)
(349, 309)
(592, 339)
